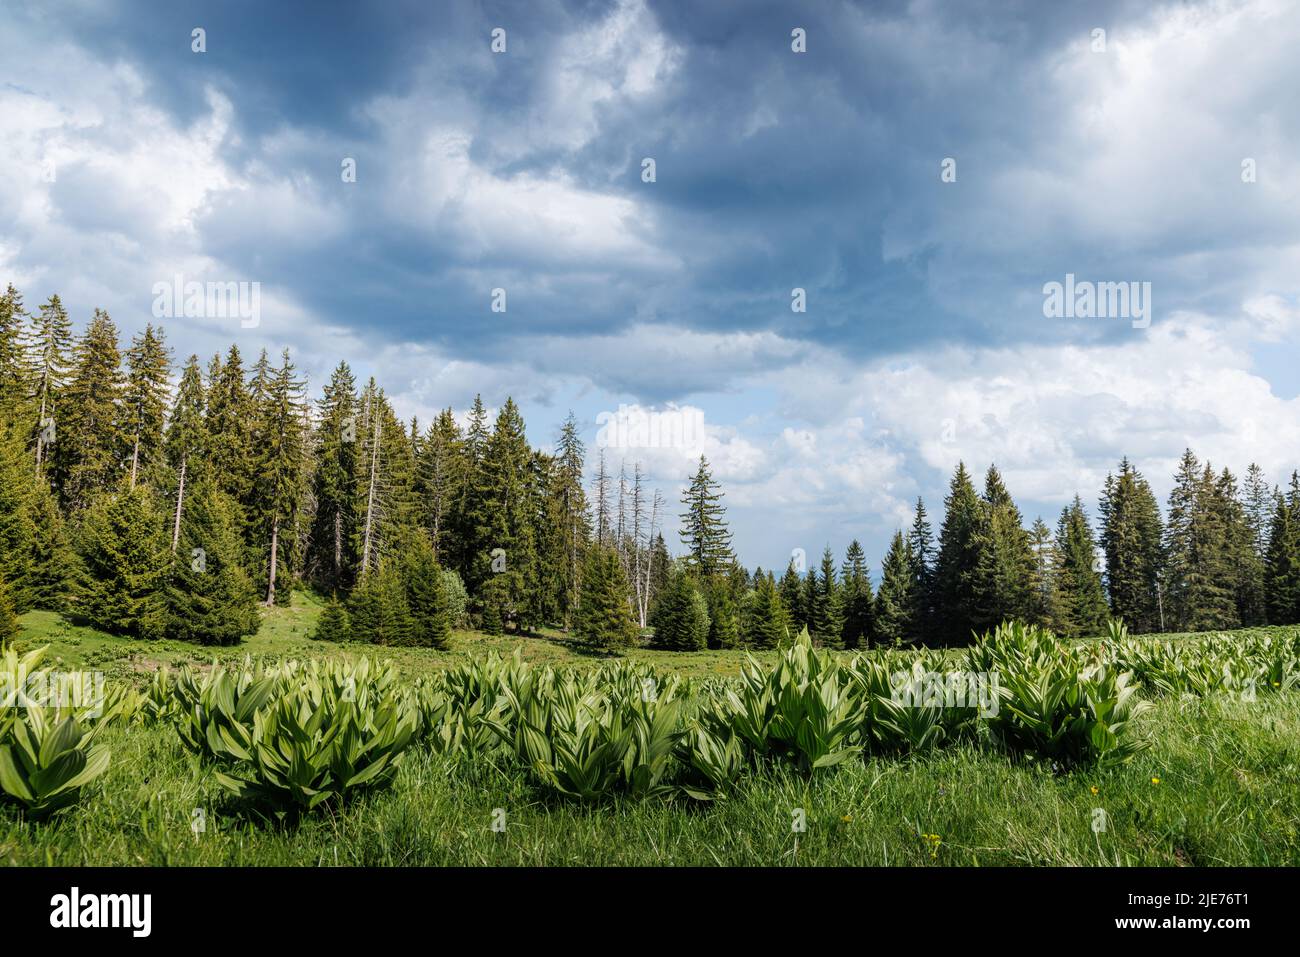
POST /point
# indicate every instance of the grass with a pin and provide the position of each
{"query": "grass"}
(1216, 787)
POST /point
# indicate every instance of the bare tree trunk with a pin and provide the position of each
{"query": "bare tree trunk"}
(40, 434)
(370, 500)
(135, 458)
(180, 498)
(338, 544)
(275, 555)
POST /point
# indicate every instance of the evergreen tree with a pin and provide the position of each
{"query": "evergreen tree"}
(767, 625)
(333, 624)
(333, 532)
(895, 601)
(278, 487)
(1282, 565)
(857, 625)
(792, 597)
(1002, 583)
(922, 542)
(17, 533)
(46, 585)
(1045, 597)
(210, 598)
(13, 355)
(8, 615)
(123, 568)
(704, 527)
(604, 617)
(1245, 564)
(681, 621)
(1082, 599)
(575, 528)
(1201, 579)
(955, 564)
(378, 609)
(724, 626)
(829, 614)
(440, 474)
(185, 441)
(86, 452)
(426, 596)
(144, 402)
(1132, 542)
(49, 350)
(230, 453)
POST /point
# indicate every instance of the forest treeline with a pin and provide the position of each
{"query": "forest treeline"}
(155, 502)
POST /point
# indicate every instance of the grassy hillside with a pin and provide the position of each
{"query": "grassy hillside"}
(286, 633)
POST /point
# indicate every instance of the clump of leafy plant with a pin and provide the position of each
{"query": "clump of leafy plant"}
(589, 735)
(805, 710)
(1055, 702)
(48, 748)
(297, 736)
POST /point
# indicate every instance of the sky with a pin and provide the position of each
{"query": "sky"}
(921, 171)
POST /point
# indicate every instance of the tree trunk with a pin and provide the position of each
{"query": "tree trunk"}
(370, 500)
(275, 555)
(40, 435)
(180, 498)
(135, 459)
(338, 545)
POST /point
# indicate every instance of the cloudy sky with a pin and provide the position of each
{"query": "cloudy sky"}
(1166, 151)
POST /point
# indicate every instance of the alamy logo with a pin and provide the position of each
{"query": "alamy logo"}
(1098, 300)
(134, 911)
(208, 300)
(632, 427)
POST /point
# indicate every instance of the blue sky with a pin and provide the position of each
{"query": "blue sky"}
(128, 158)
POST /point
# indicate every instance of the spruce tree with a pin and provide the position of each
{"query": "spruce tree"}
(1002, 583)
(17, 533)
(86, 457)
(123, 567)
(8, 615)
(704, 528)
(857, 624)
(767, 625)
(604, 618)
(378, 609)
(210, 598)
(1282, 564)
(1045, 596)
(185, 442)
(426, 597)
(829, 603)
(49, 349)
(724, 625)
(575, 527)
(1245, 563)
(895, 607)
(439, 475)
(955, 564)
(922, 542)
(14, 366)
(1132, 541)
(1082, 599)
(231, 456)
(144, 402)
(681, 621)
(792, 597)
(333, 624)
(46, 585)
(278, 481)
